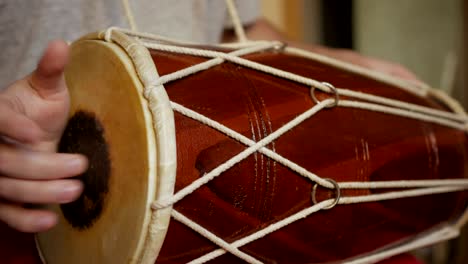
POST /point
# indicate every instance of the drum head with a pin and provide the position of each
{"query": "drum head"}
(110, 123)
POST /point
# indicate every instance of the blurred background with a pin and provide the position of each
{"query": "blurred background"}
(426, 36)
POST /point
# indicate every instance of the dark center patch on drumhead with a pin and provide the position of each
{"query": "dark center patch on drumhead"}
(84, 134)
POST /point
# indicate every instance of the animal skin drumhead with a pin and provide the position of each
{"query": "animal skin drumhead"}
(111, 124)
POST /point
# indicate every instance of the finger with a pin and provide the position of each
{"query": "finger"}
(40, 192)
(17, 126)
(382, 66)
(35, 165)
(26, 220)
(402, 72)
(48, 79)
(392, 69)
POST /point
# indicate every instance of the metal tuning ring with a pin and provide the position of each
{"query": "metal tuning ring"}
(337, 190)
(332, 89)
(280, 46)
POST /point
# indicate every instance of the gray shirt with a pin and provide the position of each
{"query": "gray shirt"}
(27, 25)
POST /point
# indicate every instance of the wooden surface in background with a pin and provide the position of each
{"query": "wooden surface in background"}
(287, 16)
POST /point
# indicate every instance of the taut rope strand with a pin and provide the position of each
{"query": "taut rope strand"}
(236, 22)
(129, 15)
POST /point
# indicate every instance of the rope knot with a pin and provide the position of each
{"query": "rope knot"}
(149, 88)
(161, 204)
(108, 34)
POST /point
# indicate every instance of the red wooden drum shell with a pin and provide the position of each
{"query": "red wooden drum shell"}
(344, 144)
(340, 143)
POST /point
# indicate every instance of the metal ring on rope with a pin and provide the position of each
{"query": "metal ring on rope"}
(280, 46)
(332, 89)
(336, 188)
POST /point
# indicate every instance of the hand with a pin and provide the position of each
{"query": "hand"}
(355, 58)
(33, 114)
(264, 30)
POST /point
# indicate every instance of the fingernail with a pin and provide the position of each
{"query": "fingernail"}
(69, 192)
(77, 163)
(46, 222)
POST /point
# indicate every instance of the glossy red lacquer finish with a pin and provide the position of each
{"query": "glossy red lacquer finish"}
(339, 143)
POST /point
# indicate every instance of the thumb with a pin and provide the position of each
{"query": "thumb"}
(48, 79)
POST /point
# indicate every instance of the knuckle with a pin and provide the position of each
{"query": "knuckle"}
(19, 191)
(9, 190)
(12, 102)
(5, 103)
(17, 104)
(15, 190)
(13, 217)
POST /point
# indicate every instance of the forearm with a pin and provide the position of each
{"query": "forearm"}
(264, 30)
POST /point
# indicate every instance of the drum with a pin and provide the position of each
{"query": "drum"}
(250, 152)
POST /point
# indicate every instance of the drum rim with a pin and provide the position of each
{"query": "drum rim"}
(164, 149)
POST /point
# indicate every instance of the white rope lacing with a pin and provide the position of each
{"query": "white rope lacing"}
(236, 22)
(379, 104)
(239, 157)
(411, 188)
(312, 209)
(129, 15)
